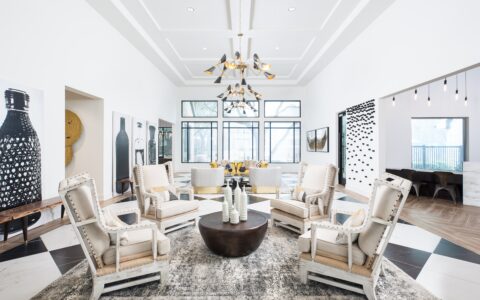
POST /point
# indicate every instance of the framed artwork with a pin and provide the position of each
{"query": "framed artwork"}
(322, 140)
(139, 134)
(311, 140)
(121, 143)
(152, 142)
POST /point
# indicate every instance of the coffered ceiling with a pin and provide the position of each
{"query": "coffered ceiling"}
(184, 37)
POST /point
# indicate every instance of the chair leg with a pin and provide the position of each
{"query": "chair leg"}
(303, 274)
(416, 187)
(453, 194)
(97, 290)
(436, 192)
(5, 230)
(163, 278)
(369, 290)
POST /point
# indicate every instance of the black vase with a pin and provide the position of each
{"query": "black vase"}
(20, 158)
(122, 162)
(152, 147)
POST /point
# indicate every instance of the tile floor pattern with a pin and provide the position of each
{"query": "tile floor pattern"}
(445, 269)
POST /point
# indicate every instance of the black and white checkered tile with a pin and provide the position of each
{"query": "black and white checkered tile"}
(445, 269)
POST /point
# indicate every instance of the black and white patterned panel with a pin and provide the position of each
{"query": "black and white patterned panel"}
(361, 160)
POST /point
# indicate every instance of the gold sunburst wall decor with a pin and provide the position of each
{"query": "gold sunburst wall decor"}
(73, 131)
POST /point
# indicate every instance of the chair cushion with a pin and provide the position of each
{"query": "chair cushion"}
(154, 176)
(326, 246)
(314, 177)
(175, 207)
(356, 219)
(139, 242)
(294, 207)
(115, 222)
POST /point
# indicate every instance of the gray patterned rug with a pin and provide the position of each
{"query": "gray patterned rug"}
(271, 272)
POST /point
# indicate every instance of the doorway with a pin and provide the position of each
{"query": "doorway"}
(342, 148)
(84, 136)
(165, 136)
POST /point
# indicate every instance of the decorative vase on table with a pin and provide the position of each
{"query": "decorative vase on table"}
(238, 195)
(244, 206)
(234, 216)
(227, 192)
(20, 157)
(225, 212)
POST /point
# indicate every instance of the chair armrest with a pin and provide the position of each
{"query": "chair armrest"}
(126, 211)
(338, 228)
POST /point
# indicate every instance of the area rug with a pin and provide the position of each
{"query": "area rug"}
(271, 272)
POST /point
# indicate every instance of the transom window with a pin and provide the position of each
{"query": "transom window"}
(199, 142)
(199, 109)
(282, 142)
(236, 113)
(438, 143)
(240, 141)
(282, 108)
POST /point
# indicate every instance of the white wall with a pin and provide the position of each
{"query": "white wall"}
(410, 43)
(396, 119)
(52, 44)
(210, 93)
(88, 150)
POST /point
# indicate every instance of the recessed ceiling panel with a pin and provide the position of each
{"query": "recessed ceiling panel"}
(288, 14)
(190, 14)
(189, 45)
(282, 45)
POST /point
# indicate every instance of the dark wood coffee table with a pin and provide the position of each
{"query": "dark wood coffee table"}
(230, 240)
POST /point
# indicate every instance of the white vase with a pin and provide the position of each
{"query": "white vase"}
(243, 206)
(238, 196)
(227, 193)
(234, 217)
(225, 212)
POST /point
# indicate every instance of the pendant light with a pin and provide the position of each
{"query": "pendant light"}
(415, 96)
(393, 101)
(429, 103)
(456, 90)
(466, 98)
(445, 85)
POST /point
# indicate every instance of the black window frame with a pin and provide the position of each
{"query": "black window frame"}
(293, 145)
(252, 127)
(198, 117)
(225, 115)
(277, 117)
(212, 137)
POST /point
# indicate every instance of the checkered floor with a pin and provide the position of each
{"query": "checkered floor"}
(445, 269)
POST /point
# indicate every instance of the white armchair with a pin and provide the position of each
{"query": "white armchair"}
(310, 201)
(265, 180)
(207, 180)
(354, 263)
(158, 199)
(137, 252)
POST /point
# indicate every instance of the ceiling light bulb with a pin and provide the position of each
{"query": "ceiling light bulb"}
(393, 101)
(415, 96)
(204, 48)
(265, 67)
(190, 9)
(291, 9)
(466, 101)
(429, 103)
(445, 85)
(456, 94)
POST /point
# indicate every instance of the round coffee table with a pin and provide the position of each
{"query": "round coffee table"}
(230, 240)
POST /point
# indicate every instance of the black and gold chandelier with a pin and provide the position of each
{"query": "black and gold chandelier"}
(237, 93)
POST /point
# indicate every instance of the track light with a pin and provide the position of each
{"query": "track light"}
(429, 103)
(393, 101)
(466, 92)
(445, 87)
(456, 87)
(415, 96)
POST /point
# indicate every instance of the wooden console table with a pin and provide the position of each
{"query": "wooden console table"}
(22, 212)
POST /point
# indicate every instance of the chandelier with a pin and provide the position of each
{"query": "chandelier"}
(238, 92)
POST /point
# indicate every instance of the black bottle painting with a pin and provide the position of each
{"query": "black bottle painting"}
(20, 158)
(122, 162)
(152, 146)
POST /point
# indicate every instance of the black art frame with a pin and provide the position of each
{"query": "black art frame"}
(326, 147)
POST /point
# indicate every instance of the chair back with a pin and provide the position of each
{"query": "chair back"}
(79, 197)
(151, 176)
(389, 195)
(319, 178)
(442, 177)
(207, 177)
(408, 174)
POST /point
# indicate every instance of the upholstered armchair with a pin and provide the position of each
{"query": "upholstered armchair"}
(266, 180)
(310, 201)
(207, 180)
(158, 199)
(115, 251)
(350, 255)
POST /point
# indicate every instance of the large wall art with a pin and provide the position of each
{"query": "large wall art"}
(361, 144)
(152, 142)
(139, 128)
(21, 137)
(318, 140)
(122, 133)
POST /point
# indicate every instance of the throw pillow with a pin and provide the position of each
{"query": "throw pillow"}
(356, 219)
(115, 222)
(302, 193)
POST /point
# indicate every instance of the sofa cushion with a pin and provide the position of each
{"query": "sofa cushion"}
(175, 207)
(327, 246)
(294, 207)
(139, 242)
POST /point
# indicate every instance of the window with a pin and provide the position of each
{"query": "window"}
(438, 143)
(240, 141)
(282, 109)
(199, 142)
(282, 142)
(199, 109)
(236, 113)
